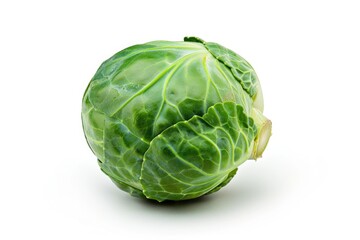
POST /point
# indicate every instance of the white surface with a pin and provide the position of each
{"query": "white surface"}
(306, 54)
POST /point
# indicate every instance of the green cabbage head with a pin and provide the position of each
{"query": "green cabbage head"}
(174, 120)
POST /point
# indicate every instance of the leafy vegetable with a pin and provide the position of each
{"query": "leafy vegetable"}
(174, 120)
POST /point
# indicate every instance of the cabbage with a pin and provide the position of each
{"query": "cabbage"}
(174, 120)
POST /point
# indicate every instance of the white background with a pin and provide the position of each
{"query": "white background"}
(307, 56)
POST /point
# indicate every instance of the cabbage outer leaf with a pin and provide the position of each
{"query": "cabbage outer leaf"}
(194, 157)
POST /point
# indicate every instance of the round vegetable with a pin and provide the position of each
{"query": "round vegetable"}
(173, 120)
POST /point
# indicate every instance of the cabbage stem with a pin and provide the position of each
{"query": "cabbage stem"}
(263, 126)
